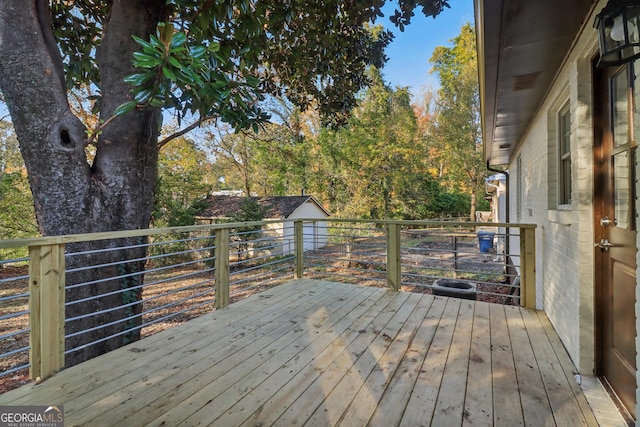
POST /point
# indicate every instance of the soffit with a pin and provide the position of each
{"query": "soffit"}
(521, 46)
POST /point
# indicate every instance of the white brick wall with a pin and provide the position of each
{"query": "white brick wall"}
(564, 237)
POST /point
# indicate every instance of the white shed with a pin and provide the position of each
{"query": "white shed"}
(277, 208)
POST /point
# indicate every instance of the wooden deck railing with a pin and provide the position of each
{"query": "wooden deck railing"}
(386, 263)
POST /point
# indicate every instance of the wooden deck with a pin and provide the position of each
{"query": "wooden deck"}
(318, 354)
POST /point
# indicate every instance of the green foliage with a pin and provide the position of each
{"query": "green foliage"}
(250, 211)
(483, 204)
(180, 195)
(458, 136)
(379, 165)
(17, 216)
(10, 157)
(78, 27)
(403, 15)
(368, 160)
(234, 154)
(449, 203)
(424, 197)
(218, 59)
(206, 59)
(182, 184)
(271, 162)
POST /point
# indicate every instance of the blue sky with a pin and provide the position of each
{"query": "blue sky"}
(410, 51)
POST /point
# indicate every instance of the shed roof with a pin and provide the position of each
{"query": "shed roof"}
(275, 206)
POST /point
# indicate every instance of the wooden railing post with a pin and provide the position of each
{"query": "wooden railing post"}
(393, 256)
(46, 309)
(528, 267)
(298, 244)
(222, 267)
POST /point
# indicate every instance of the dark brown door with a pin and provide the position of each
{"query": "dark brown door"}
(615, 232)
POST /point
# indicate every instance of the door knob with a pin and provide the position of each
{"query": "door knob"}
(604, 245)
(606, 222)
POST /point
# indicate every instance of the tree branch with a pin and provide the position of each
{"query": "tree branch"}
(186, 130)
(46, 28)
(95, 134)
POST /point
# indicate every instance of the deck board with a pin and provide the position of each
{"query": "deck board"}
(319, 353)
(449, 408)
(535, 405)
(364, 365)
(479, 395)
(313, 397)
(507, 407)
(396, 396)
(565, 361)
(423, 399)
(366, 400)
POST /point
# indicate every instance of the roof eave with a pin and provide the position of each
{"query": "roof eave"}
(521, 46)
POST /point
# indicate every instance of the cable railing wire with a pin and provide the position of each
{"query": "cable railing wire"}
(15, 370)
(137, 273)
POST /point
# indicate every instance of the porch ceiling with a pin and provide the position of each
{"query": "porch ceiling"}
(521, 46)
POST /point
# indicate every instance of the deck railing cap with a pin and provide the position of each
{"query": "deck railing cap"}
(73, 238)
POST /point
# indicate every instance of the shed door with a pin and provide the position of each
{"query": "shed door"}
(309, 236)
(615, 232)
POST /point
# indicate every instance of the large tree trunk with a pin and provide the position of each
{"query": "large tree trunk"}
(71, 196)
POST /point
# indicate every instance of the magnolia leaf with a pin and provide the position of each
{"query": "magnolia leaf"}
(137, 79)
(124, 108)
(174, 62)
(145, 44)
(179, 39)
(157, 101)
(168, 73)
(198, 52)
(143, 96)
(145, 61)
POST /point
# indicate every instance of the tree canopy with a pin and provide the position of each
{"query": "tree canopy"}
(457, 132)
(214, 59)
(199, 59)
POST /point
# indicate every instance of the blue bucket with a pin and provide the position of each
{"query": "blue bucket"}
(485, 241)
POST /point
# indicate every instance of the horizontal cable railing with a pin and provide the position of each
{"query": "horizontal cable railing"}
(14, 320)
(120, 290)
(259, 258)
(355, 253)
(122, 286)
(467, 260)
(89, 294)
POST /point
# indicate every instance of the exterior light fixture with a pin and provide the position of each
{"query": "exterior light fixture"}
(618, 27)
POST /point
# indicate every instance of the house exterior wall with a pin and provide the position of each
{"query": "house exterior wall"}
(565, 232)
